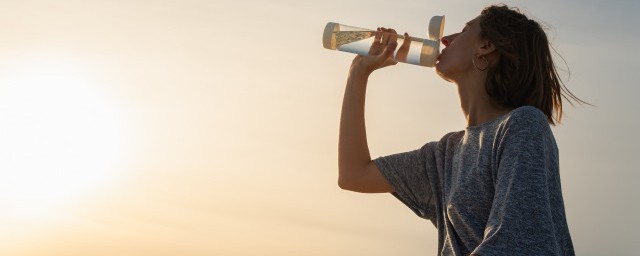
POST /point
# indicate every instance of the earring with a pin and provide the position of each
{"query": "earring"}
(484, 59)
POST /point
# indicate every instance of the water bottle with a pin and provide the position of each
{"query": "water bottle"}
(423, 52)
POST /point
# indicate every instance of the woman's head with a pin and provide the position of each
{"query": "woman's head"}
(513, 53)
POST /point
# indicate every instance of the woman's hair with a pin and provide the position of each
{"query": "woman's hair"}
(525, 73)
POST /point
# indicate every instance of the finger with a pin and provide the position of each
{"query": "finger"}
(392, 38)
(376, 46)
(403, 52)
(386, 38)
(390, 35)
(378, 36)
(406, 42)
(387, 54)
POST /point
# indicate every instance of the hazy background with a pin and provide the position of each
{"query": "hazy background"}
(210, 127)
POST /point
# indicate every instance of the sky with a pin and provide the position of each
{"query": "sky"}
(210, 127)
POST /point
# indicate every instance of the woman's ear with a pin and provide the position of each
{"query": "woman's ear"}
(486, 48)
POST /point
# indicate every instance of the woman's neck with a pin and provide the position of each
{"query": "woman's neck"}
(476, 104)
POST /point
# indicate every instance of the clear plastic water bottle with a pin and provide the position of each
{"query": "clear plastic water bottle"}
(423, 52)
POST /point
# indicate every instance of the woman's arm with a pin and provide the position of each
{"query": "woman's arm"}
(356, 170)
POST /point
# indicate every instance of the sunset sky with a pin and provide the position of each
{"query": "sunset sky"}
(198, 127)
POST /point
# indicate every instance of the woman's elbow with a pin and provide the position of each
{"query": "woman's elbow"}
(345, 183)
(367, 179)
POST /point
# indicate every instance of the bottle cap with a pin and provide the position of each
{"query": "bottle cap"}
(436, 27)
(431, 47)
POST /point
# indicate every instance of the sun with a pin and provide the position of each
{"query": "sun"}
(61, 135)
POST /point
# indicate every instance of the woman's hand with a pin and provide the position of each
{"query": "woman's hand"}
(381, 52)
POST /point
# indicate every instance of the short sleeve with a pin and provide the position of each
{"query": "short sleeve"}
(407, 174)
(527, 210)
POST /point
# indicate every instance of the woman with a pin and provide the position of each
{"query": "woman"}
(494, 187)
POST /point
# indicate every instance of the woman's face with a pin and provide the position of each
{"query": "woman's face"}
(455, 59)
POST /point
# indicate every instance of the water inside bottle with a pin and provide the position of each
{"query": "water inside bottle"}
(347, 37)
(360, 42)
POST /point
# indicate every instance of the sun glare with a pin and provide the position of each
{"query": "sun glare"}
(61, 136)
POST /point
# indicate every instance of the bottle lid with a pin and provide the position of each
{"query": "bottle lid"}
(431, 47)
(436, 27)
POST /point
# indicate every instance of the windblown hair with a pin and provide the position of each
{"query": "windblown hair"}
(525, 73)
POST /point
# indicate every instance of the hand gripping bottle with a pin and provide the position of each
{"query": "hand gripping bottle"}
(423, 52)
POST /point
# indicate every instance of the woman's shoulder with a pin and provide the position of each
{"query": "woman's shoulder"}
(526, 116)
(526, 130)
(528, 111)
(525, 122)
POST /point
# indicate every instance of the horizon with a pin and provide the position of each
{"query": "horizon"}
(211, 127)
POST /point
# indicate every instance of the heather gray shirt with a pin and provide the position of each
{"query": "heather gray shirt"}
(492, 189)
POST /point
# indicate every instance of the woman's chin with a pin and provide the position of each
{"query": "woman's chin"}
(441, 73)
(438, 68)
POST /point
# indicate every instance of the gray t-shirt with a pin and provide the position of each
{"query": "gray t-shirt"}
(492, 189)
